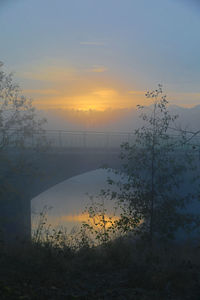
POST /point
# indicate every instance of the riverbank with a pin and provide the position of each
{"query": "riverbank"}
(121, 269)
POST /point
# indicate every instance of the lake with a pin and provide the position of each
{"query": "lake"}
(66, 201)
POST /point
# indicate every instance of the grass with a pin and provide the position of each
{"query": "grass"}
(119, 269)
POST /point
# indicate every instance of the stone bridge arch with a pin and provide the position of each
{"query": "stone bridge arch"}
(50, 169)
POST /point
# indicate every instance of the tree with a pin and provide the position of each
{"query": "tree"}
(20, 128)
(18, 117)
(156, 179)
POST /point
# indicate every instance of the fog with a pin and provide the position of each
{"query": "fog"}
(113, 119)
(70, 198)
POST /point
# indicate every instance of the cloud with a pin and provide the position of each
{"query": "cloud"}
(136, 92)
(105, 93)
(184, 99)
(45, 92)
(92, 43)
(78, 98)
(50, 73)
(98, 69)
(56, 84)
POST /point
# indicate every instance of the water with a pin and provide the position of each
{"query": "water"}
(67, 200)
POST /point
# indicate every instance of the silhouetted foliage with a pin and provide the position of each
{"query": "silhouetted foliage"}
(157, 179)
(20, 129)
(54, 268)
(19, 122)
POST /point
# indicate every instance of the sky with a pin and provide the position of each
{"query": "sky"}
(104, 54)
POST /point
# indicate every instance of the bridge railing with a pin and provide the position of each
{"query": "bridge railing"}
(62, 139)
(66, 140)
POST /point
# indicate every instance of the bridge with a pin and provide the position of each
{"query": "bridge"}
(67, 154)
(47, 160)
(63, 139)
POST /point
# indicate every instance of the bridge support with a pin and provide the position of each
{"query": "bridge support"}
(15, 221)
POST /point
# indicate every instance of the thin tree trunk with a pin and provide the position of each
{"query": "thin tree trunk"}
(152, 181)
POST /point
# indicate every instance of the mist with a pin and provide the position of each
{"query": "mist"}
(116, 120)
(99, 150)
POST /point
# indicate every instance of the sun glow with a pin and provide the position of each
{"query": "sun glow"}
(85, 217)
(88, 102)
(95, 221)
(67, 87)
(98, 100)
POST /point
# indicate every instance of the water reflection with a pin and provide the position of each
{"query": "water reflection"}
(66, 201)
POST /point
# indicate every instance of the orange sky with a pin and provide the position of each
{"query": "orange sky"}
(87, 57)
(95, 88)
(57, 87)
(78, 219)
